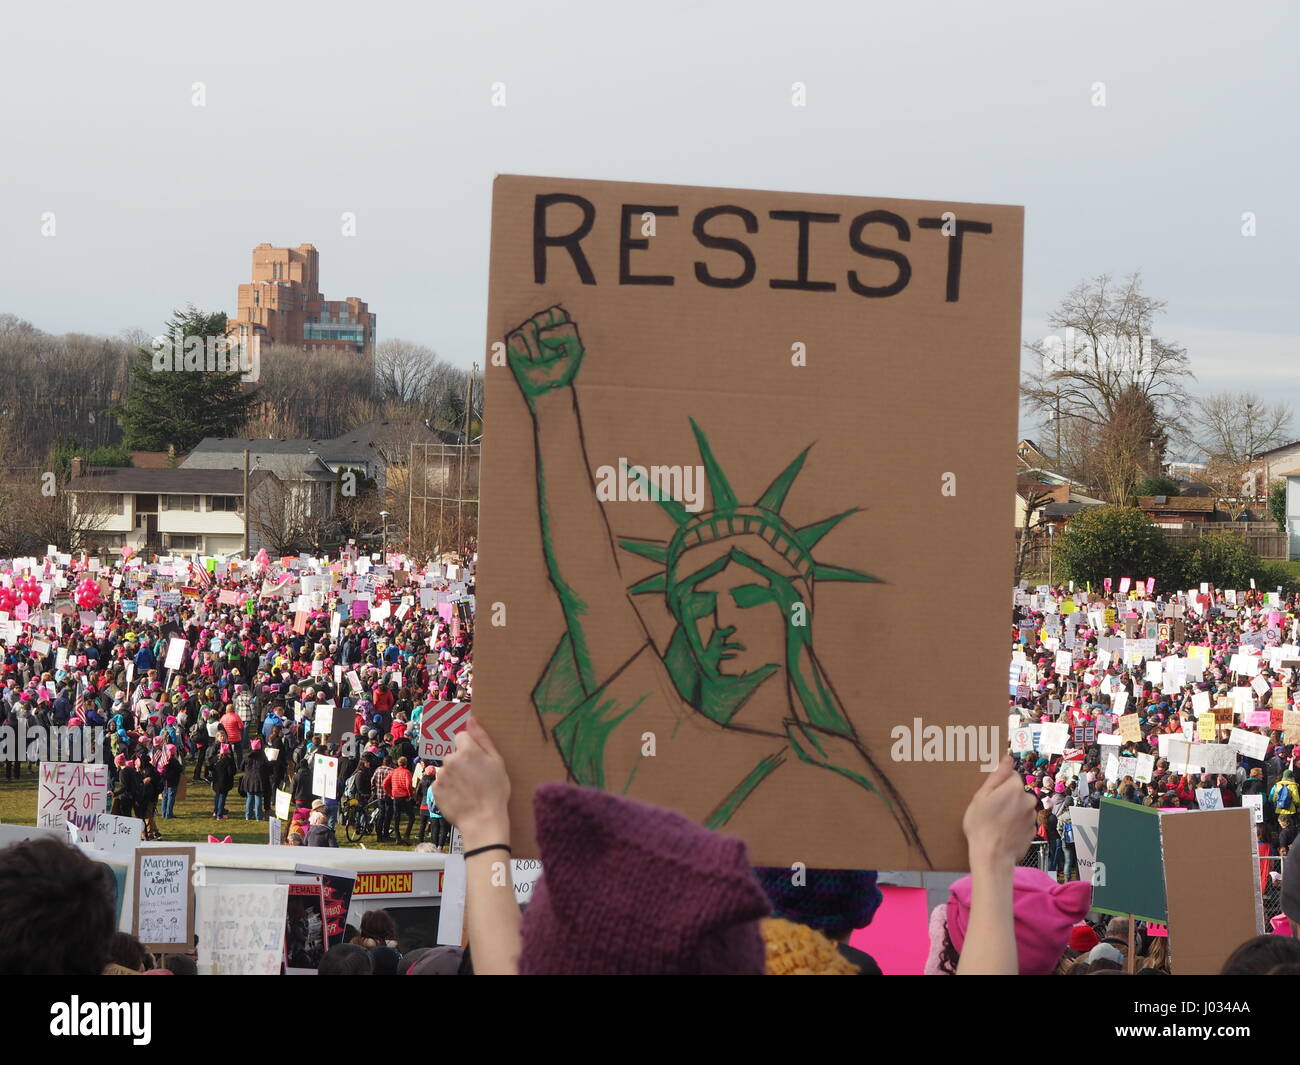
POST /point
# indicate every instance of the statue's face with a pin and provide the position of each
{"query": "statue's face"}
(740, 626)
(734, 615)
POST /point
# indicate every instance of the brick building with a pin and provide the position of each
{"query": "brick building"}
(283, 305)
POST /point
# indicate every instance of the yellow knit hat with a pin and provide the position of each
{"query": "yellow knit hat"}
(797, 950)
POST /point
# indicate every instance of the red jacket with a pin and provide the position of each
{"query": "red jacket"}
(397, 785)
(234, 727)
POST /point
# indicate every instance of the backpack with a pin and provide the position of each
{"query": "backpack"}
(1283, 801)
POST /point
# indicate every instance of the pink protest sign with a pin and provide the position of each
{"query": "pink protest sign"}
(1124, 583)
(899, 935)
(361, 608)
(1151, 585)
(445, 611)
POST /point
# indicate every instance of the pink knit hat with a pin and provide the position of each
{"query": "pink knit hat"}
(631, 888)
(1045, 913)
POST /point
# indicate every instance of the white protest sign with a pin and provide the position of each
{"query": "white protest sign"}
(1085, 839)
(72, 792)
(1216, 757)
(241, 928)
(273, 831)
(325, 776)
(1209, 798)
(1022, 739)
(1054, 739)
(1249, 744)
(1201, 703)
(114, 833)
(164, 898)
(1256, 802)
(1146, 766)
(524, 874)
(323, 721)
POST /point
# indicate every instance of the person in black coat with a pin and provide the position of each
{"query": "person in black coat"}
(223, 779)
(255, 785)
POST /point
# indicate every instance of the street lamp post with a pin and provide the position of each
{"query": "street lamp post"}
(383, 547)
(1051, 532)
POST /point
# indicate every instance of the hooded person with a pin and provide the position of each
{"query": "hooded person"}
(630, 888)
(832, 902)
(1045, 915)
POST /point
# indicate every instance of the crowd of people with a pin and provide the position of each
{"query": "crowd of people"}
(239, 711)
(656, 892)
(1194, 667)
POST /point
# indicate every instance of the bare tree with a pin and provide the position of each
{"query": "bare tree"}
(282, 517)
(1234, 427)
(1104, 351)
(1035, 519)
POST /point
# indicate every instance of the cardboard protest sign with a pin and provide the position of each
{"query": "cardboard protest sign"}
(1129, 874)
(72, 793)
(241, 928)
(772, 715)
(1210, 916)
(164, 898)
(1130, 728)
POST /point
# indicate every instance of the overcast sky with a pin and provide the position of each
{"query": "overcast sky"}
(385, 110)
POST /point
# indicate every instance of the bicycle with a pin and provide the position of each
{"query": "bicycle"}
(359, 818)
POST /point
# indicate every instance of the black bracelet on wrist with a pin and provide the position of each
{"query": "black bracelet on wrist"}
(490, 847)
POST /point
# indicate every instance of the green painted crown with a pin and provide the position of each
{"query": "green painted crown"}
(730, 518)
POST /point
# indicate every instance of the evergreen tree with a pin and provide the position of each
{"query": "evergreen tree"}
(173, 405)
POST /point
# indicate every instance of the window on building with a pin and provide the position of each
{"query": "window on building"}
(173, 502)
(177, 542)
(223, 503)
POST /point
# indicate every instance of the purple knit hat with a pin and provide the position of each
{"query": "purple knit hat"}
(634, 889)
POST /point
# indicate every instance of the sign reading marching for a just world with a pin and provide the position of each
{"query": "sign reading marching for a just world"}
(706, 505)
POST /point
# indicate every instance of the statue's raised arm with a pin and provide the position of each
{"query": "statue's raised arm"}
(545, 353)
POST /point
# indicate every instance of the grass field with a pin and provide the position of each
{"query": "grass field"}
(192, 823)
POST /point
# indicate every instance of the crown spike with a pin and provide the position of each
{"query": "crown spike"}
(823, 572)
(810, 535)
(774, 498)
(657, 582)
(724, 498)
(654, 550)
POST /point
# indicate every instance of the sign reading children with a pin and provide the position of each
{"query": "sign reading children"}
(706, 506)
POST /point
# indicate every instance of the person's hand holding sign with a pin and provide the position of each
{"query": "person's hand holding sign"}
(999, 823)
(473, 790)
(545, 352)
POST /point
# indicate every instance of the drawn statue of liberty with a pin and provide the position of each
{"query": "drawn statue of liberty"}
(738, 580)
